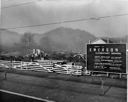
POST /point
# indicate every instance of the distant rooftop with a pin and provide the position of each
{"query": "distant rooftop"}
(106, 40)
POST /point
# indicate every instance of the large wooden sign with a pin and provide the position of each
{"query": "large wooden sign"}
(106, 57)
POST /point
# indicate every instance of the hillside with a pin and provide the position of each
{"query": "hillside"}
(66, 39)
(9, 38)
(59, 39)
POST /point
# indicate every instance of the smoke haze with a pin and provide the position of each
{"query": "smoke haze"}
(48, 11)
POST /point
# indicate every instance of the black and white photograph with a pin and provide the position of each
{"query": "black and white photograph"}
(63, 50)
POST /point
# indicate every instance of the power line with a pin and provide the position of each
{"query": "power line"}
(69, 21)
(20, 4)
(46, 24)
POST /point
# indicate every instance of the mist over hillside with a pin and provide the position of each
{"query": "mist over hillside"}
(59, 39)
(9, 38)
(66, 39)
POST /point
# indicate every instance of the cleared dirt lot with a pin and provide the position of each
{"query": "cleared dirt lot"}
(61, 90)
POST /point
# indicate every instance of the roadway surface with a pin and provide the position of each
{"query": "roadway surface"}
(9, 97)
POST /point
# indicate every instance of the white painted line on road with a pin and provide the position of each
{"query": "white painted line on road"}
(23, 95)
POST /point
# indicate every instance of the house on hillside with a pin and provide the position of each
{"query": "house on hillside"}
(102, 41)
(107, 41)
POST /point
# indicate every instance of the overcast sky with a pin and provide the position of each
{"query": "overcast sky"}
(49, 11)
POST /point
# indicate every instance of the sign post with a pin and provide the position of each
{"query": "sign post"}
(102, 85)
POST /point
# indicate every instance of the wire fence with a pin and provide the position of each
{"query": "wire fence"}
(51, 66)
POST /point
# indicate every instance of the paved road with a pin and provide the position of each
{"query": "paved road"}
(8, 96)
(61, 91)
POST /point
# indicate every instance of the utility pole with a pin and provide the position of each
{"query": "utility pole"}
(0, 26)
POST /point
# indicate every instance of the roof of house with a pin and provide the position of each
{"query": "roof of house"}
(103, 41)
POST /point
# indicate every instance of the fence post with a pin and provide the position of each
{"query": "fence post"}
(102, 85)
(21, 65)
(5, 74)
(11, 64)
(107, 74)
(120, 75)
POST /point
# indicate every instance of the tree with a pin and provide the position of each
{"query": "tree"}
(27, 42)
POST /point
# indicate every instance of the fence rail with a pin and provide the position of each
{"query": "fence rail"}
(51, 66)
(109, 74)
(46, 66)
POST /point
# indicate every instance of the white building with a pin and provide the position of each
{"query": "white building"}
(101, 41)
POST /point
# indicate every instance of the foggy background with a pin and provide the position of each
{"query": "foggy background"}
(61, 25)
(47, 11)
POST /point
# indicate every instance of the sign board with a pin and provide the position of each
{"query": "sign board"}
(106, 57)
